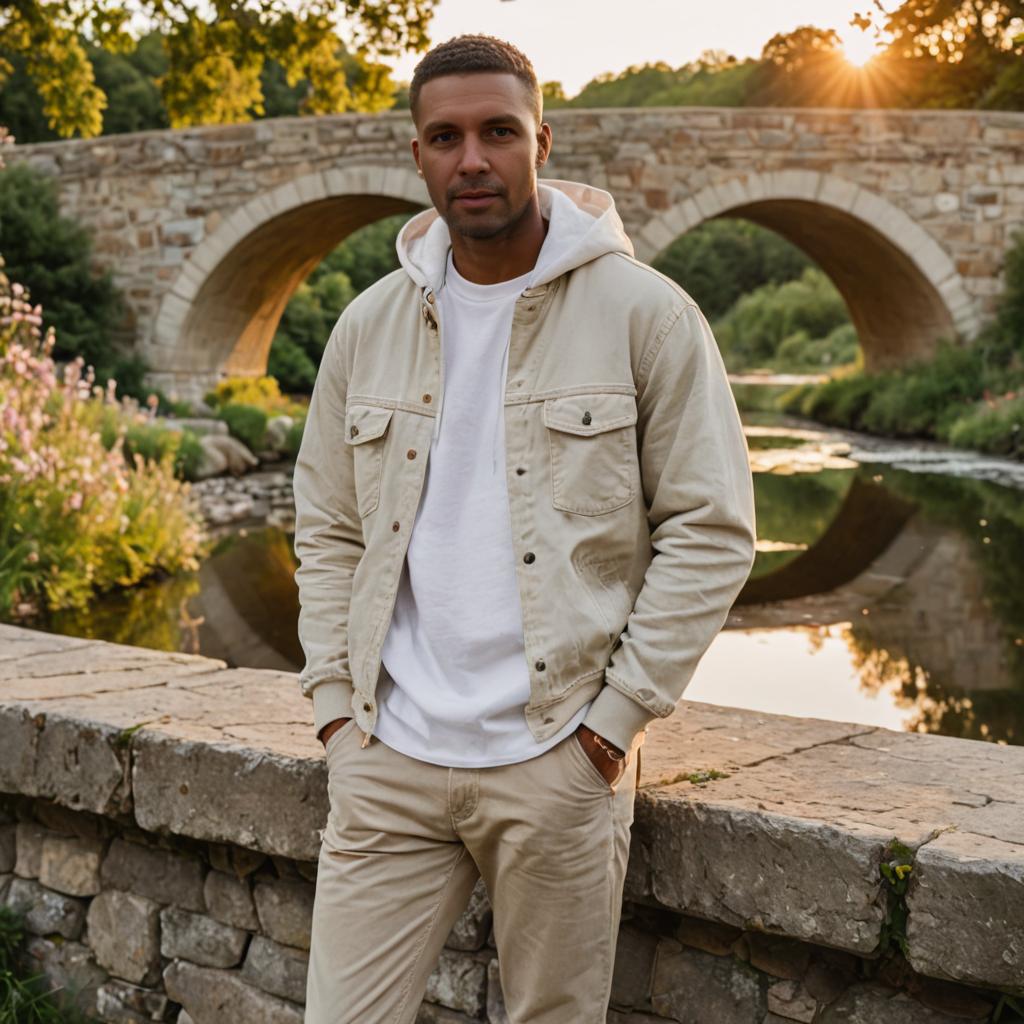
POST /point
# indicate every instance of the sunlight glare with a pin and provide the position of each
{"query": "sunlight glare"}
(858, 46)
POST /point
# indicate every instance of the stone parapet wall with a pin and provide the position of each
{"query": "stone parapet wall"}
(160, 824)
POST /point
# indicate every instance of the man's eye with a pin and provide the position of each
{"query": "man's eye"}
(508, 132)
(442, 136)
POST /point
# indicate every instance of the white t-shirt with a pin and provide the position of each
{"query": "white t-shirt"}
(456, 678)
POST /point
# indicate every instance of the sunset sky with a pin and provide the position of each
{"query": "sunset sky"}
(572, 41)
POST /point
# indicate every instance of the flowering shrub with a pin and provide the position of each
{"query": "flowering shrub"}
(76, 515)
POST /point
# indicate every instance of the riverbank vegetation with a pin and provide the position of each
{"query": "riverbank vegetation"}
(971, 396)
(80, 511)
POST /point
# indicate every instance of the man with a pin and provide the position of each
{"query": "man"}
(524, 509)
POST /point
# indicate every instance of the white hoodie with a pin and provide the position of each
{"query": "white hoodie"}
(456, 679)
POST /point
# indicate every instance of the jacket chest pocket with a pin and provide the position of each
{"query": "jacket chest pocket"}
(592, 441)
(365, 429)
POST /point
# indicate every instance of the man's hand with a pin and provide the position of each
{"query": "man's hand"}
(331, 727)
(609, 767)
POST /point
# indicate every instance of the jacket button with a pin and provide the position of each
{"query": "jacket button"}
(395, 526)
(426, 398)
(353, 430)
(411, 453)
(367, 707)
(529, 557)
(586, 418)
(539, 665)
(520, 470)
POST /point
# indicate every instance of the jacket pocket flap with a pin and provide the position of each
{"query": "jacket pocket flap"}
(591, 413)
(365, 422)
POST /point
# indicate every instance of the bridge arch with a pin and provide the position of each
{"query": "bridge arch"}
(902, 289)
(222, 311)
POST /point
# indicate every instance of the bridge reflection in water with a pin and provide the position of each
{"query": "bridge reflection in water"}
(878, 596)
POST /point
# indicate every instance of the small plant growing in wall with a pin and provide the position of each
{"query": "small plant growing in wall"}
(896, 868)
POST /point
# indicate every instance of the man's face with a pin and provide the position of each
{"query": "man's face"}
(479, 146)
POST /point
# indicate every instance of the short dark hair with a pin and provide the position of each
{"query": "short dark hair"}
(471, 54)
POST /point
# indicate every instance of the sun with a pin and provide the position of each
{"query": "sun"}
(857, 46)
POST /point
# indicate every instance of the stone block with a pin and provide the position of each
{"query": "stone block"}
(200, 939)
(459, 981)
(162, 875)
(29, 848)
(70, 971)
(117, 1002)
(229, 899)
(124, 932)
(285, 911)
(953, 876)
(710, 936)
(496, 1012)
(869, 1003)
(279, 970)
(791, 1000)
(778, 955)
(693, 987)
(431, 1013)
(474, 924)
(213, 996)
(45, 912)
(634, 967)
(71, 864)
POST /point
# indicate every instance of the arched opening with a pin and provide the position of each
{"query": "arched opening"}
(221, 314)
(903, 291)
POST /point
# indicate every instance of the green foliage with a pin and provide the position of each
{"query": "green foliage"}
(294, 438)
(896, 868)
(214, 57)
(262, 392)
(721, 260)
(361, 259)
(995, 426)
(51, 255)
(778, 324)
(246, 422)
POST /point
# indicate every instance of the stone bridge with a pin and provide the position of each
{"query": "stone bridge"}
(210, 230)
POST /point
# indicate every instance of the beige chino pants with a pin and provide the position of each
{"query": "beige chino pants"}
(404, 845)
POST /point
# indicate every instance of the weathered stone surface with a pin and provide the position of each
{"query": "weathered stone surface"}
(161, 875)
(8, 847)
(200, 939)
(496, 1012)
(474, 924)
(872, 1004)
(710, 936)
(124, 933)
(29, 848)
(213, 996)
(70, 970)
(285, 910)
(229, 899)
(221, 452)
(431, 1013)
(459, 982)
(954, 876)
(45, 911)
(634, 966)
(778, 955)
(71, 864)
(791, 1000)
(117, 1001)
(693, 987)
(279, 970)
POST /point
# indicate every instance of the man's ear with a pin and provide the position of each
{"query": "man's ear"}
(416, 156)
(543, 143)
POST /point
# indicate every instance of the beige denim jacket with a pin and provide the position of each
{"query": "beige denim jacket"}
(629, 485)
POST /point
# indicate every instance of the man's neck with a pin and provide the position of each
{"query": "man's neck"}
(492, 260)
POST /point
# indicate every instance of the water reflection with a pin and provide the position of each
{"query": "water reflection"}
(877, 596)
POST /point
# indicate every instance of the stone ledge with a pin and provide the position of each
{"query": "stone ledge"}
(787, 839)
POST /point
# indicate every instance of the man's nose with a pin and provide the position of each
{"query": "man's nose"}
(474, 159)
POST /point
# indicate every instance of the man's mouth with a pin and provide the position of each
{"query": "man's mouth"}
(475, 197)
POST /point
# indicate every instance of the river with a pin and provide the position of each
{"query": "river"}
(888, 589)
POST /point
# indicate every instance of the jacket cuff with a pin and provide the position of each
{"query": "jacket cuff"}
(330, 701)
(616, 717)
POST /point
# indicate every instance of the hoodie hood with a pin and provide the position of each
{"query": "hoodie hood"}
(583, 224)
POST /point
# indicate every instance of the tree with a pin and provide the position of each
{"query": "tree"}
(51, 255)
(215, 52)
